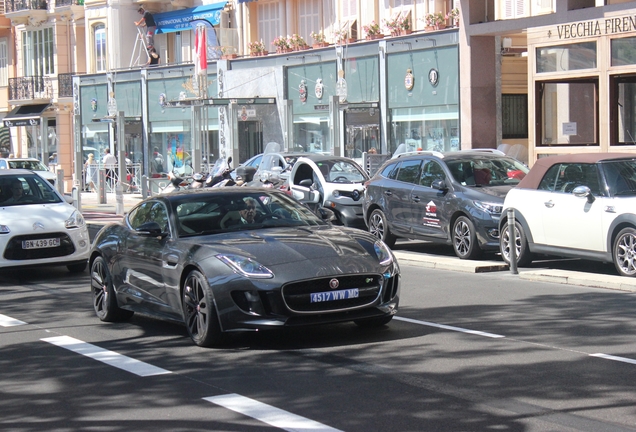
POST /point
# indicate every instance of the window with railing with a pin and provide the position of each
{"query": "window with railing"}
(38, 51)
(269, 27)
(100, 47)
(24, 5)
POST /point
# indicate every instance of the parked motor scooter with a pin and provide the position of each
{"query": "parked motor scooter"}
(198, 181)
(220, 174)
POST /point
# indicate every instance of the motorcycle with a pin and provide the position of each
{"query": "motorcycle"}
(220, 174)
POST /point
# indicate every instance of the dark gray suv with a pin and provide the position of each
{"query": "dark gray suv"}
(453, 198)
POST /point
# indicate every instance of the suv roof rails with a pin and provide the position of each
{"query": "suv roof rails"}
(420, 152)
(486, 150)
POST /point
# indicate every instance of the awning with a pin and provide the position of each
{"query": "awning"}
(186, 19)
(25, 115)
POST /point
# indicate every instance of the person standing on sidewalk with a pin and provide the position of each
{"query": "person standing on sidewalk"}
(149, 21)
(109, 161)
(90, 173)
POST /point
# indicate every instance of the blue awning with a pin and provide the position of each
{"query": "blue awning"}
(187, 19)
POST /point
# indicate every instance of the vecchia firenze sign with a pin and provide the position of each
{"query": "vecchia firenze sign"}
(608, 26)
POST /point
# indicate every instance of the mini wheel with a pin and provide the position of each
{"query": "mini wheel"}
(524, 256)
(624, 252)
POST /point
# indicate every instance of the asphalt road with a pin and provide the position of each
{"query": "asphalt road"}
(467, 352)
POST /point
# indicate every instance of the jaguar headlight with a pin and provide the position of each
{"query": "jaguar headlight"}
(489, 207)
(75, 221)
(246, 266)
(383, 253)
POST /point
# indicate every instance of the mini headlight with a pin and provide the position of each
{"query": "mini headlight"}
(336, 193)
(246, 266)
(75, 221)
(383, 253)
(488, 207)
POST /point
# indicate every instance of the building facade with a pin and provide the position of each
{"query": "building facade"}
(530, 78)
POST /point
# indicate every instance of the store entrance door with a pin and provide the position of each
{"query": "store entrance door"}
(362, 132)
(250, 135)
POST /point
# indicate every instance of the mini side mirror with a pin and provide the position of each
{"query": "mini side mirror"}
(584, 192)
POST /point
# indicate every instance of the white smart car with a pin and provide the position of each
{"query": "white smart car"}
(38, 227)
(333, 182)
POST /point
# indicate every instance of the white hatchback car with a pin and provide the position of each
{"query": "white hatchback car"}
(32, 164)
(577, 205)
(38, 227)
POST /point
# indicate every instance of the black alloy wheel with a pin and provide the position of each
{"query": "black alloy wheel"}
(199, 312)
(465, 239)
(379, 228)
(104, 300)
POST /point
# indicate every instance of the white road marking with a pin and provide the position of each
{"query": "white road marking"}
(616, 358)
(446, 327)
(7, 321)
(268, 414)
(105, 356)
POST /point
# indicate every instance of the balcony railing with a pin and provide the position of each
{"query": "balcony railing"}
(65, 85)
(24, 5)
(30, 87)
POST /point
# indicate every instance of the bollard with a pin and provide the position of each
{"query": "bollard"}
(119, 200)
(77, 198)
(512, 236)
(144, 186)
(102, 186)
(59, 181)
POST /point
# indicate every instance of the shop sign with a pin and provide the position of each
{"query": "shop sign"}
(409, 81)
(433, 77)
(302, 91)
(321, 107)
(319, 88)
(609, 26)
(22, 122)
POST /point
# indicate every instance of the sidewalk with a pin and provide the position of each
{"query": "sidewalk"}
(101, 214)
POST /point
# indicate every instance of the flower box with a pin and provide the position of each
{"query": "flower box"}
(320, 45)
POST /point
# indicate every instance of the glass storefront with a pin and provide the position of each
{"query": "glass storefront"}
(310, 88)
(426, 115)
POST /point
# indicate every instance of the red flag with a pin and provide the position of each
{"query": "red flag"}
(200, 47)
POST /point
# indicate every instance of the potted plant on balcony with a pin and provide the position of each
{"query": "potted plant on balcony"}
(342, 36)
(319, 40)
(257, 48)
(429, 22)
(392, 25)
(228, 53)
(282, 44)
(453, 17)
(405, 25)
(373, 31)
(298, 43)
(440, 21)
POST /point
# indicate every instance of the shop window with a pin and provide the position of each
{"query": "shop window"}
(568, 113)
(514, 116)
(624, 51)
(623, 110)
(570, 57)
